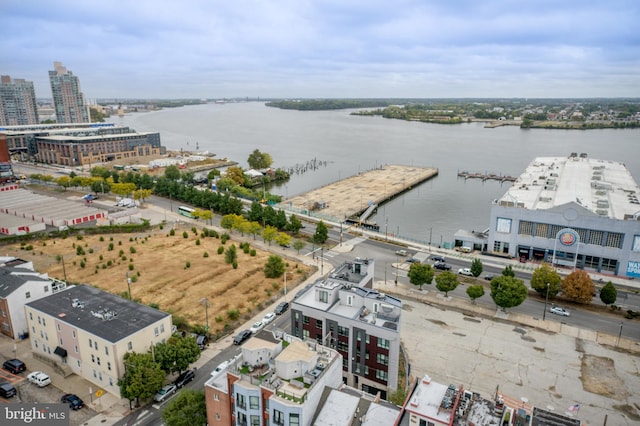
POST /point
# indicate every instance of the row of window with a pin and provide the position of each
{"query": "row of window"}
(587, 236)
(279, 418)
(380, 374)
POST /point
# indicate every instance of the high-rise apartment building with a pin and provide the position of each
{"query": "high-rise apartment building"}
(68, 100)
(17, 102)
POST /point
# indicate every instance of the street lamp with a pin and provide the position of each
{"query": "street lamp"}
(129, 286)
(619, 333)
(285, 286)
(397, 261)
(546, 299)
(205, 302)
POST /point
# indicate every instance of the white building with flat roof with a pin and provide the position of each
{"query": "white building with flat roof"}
(571, 211)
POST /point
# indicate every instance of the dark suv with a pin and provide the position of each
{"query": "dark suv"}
(184, 378)
(241, 337)
(442, 266)
(14, 365)
(281, 308)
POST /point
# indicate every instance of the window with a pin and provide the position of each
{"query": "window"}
(240, 401)
(294, 419)
(46, 288)
(31, 316)
(90, 343)
(156, 331)
(343, 331)
(93, 358)
(375, 307)
(503, 225)
(383, 343)
(323, 295)
(98, 360)
(278, 417)
(130, 346)
(58, 325)
(381, 375)
(349, 300)
(106, 350)
(526, 228)
(242, 419)
(161, 328)
(614, 240)
(253, 402)
(61, 342)
(108, 366)
(95, 344)
(255, 420)
(634, 247)
(595, 238)
(542, 230)
(44, 321)
(27, 295)
(216, 397)
(73, 332)
(318, 323)
(305, 320)
(75, 348)
(382, 359)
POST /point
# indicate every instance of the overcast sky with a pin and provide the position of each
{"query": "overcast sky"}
(327, 48)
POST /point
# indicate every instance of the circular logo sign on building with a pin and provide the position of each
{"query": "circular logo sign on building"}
(568, 237)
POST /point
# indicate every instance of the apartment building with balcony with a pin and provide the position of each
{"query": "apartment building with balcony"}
(344, 313)
(68, 100)
(17, 102)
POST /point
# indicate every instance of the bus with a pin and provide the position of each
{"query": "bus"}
(6, 173)
(185, 211)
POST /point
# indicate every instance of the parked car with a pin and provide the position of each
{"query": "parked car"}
(559, 311)
(257, 326)
(268, 318)
(401, 252)
(14, 366)
(39, 379)
(435, 258)
(184, 378)
(164, 393)
(281, 308)
(7, 390)
(465, 271)
(412, 260)
(489, 277)
(442, 266)
(241, 337)
(74, 401)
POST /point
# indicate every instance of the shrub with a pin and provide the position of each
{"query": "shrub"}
(187, 265)
(132, 250)
(131, 267)
(154, 305)
(123, 258)
(101, 257)
(252, 253)
(79, 251)
(82, 264)
(172, 232)
(109, 263)
(246, 248)
(110, 247)
(205, 254)
(110, 238)
(194, 230)
(185, 234)
(30, 247)
(198, 242)
(134, 278)
(130, 239)
(101, 238)
(220, 250)
(119, 243)
(235, 264)
(219, 319)
(120, 253)
(79, 237)
(90, 250)
(58, 258)
(233, 314)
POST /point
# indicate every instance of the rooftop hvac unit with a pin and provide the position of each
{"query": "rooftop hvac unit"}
(597, 172)
(601, 192)
(544, 199)
(596, 177)
(551, 181)
(554, 175)
(603, 204)
(602, 212)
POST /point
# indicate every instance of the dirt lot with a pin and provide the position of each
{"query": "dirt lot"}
(171, 271)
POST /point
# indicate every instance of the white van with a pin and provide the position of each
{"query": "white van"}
(465, 249)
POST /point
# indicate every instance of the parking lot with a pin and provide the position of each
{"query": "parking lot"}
(549, 370)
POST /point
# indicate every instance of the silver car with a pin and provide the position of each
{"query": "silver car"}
(164, 393)
(559, 311)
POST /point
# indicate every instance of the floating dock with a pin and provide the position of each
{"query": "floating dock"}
(486, 176)
(351, 197)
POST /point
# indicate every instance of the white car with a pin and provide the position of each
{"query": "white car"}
(165, 392)
(257, 326)
(39, 378)
(559, 311)
(268, 318)
(465, 271)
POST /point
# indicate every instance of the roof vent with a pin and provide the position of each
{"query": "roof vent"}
(76, 303)
(602, 212)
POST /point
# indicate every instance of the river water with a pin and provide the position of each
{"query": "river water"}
(431, 212)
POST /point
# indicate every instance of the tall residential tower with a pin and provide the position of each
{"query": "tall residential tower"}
(68, 100)
(17, 102)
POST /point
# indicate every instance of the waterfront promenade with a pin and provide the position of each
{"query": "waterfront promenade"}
(352, 196)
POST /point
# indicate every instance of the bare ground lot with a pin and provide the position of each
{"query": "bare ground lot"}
(171, 271)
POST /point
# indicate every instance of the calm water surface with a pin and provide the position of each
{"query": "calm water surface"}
(435, 210)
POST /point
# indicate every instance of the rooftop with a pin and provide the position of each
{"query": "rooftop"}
(605, 188)
(100, 313)
(11, 279)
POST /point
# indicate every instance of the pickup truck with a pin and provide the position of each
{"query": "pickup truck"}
(465, 271)
(401, 252)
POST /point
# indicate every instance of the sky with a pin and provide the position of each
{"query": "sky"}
(327, 48)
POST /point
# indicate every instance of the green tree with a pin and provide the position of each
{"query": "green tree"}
(475, 292)
(508, 272)
(123, 189)
(236, 174)
(608, 293)
(231, 254)
(172, 173)
(141, 194)
(99, 185)
(322, 233)
(283, 239)
(420, 274)
(259, 160)
(253, 228)
(269, 233)
(274, 267)
(211, 176)
(507, 291)
(294, 225)
(203, 214)
(577, 286)
(175, 355)
(143, 377)
(64, 181)
(99, 171)
(188, 408)
(476, 267)
(446, 282)
(299, 245)
(227, 221)
(544, 275)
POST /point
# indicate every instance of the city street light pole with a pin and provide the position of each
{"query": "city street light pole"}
(285, 286)
(546, 299)
(619, 333)
(396, 281)
(204, 301)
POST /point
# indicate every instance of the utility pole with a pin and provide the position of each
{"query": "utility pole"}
(546, 299)
(64, 270)
(129, 285)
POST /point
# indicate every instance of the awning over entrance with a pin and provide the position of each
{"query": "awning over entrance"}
(60, 351)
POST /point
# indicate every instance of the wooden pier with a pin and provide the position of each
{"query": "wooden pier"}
(352, 196)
